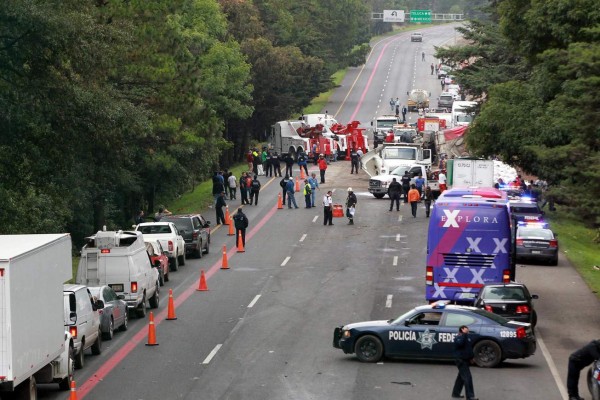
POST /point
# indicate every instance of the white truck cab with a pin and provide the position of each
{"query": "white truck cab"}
(389, 156)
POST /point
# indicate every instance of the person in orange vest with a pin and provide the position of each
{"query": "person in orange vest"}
(322, 167)
(413, 198)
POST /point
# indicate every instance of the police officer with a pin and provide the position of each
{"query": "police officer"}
(276, 164)
(283, 184)
(351, 201)
(394, 191)
(578, 361)
(241, 223)
(463, 354)
(269, 165)
(289, 164)
(353, 161)
(405, 185)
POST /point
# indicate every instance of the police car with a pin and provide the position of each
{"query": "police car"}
(536, 241)
(428, 332)
(525, 210)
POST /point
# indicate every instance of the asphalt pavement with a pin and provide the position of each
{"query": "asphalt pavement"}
(264, 328)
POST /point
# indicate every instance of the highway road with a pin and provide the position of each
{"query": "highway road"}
(264, 328)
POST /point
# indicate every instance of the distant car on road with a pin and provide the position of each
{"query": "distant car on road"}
(113, 316)
(416, 37)
(593, 380)
(537, 242)
(428, 332)
(509, 300)
(525, 210)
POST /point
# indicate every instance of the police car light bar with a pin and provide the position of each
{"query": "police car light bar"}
(440, 304)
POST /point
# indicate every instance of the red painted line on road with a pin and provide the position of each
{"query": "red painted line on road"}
(141, 334)
(368, 85)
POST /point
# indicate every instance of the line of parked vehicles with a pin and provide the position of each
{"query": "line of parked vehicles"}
(119, 274)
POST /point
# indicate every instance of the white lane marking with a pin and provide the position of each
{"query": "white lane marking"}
(397, 237)
(303, 237)
(285, 261)
(315, 218)
(399, 218)
(552, 366)
(212, 354)
(388, 301)
(254, 300)
(395, 262)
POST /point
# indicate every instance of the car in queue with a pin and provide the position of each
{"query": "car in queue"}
(158, 257)
(525, 210)
(195, 230)
(428, 332)
(169, 237)
(593, 380)
(535, 241)
(512, 301)
(114, 314)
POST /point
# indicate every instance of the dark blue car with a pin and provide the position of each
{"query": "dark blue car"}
(428, 332)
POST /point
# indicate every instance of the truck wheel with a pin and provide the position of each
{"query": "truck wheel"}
(125, 322)
(141, 309)
(97, 346)
(379, 195)
(369, 348)
(182, 259)
(26, 390)
(154, 299)
(79, 359)
(65, 384)
(487, 354)
(174, 263)
(111, 330)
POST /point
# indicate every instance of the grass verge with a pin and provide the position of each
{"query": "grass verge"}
(576, 242)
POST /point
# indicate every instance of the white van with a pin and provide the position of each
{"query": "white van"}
(119, 259)
(82, 321)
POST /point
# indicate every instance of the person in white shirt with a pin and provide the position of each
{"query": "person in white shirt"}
(328, 208)
(232, 182)
(442, 182)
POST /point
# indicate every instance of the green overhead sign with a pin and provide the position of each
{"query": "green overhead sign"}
(420, 16)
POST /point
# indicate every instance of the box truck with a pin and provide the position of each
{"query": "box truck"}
(34, 347)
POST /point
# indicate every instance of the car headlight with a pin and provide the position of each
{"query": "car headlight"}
(346, 334)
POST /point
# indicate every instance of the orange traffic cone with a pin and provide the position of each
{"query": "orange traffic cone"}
(227, 216)
(151, 331)
(231, 232)
(302, 176)
(279, 203)
(297, 185)
(171, 309)
(240, 244)
(73, 395)
(202, 286)
(224, 263)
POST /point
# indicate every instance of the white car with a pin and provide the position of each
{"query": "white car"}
(82, 321)
(172, 242)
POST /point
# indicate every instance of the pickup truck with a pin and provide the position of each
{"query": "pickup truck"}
(170, 239)
(378, 185)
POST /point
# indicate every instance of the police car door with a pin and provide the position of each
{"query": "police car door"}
(418, 336)
(448, 329)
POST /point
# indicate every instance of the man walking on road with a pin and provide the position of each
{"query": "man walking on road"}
(328, 209)
(427, 199)
(578, 361)
(254, 189)
(314, 185)
(423, 56)
(241, 223)
(432, 68)
(404, 111)
(322, 167)
(413, 197)
(405, 185)
(350, 206)
(353, 161)
(463, 353)
(219, 208)
(394, 192)
(290, 193)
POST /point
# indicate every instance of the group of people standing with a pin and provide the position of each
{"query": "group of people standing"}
(413, 193)
(265, 163)
(395, 107)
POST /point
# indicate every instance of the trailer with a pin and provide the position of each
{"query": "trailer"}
(34, 347)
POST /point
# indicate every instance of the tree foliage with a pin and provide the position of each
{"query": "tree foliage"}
(536, 66)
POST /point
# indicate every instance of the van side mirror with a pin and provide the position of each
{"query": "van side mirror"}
(73, 317)
(535, 296)
(99, 304)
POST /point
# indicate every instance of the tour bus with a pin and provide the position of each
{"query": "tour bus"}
(468, 244)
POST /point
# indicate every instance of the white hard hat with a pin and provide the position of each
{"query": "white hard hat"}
(350, 189)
